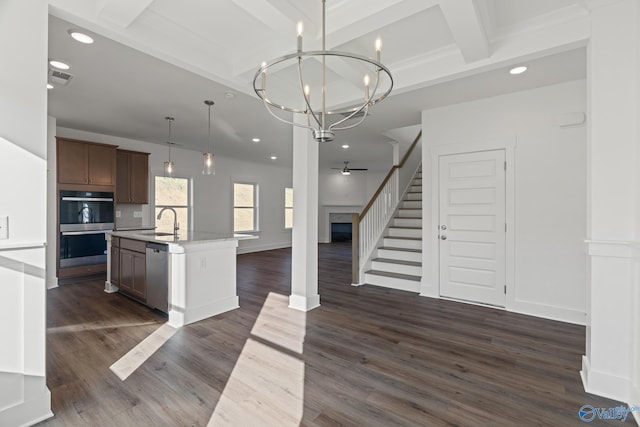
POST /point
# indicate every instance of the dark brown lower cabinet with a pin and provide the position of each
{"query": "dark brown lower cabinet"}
(133, 274)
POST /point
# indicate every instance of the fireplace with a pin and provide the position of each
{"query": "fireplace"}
(340, 232)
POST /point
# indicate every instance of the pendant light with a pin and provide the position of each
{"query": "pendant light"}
(208, 158)
(168, 165)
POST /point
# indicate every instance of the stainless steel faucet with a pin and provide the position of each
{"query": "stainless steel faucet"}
(176, 226)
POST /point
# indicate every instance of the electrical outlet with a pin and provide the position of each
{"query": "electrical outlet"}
(118, 214)
(137, 214)
(4, 227)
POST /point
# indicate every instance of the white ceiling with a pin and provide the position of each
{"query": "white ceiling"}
(154, 58)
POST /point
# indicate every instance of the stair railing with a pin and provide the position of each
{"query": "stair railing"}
(368, 226)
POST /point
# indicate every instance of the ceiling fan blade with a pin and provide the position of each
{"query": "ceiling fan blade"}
(358, 169)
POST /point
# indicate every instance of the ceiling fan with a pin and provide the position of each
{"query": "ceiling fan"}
(346, 170)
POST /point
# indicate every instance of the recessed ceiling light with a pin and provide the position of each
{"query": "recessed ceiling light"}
(59, 65)
(80, 37)
(518, 70)
(256, 139)
(345, 146)
(274, 158)
(49, 86)
(229, 95)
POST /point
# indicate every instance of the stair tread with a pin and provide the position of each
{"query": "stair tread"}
(391, 248)
(398, 261)
(403, 238)
(403, 227)
(394, 275)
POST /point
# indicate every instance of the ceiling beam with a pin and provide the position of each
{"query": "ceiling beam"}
(359, 17)
(121, 12)
(466, 26)
(278, 15)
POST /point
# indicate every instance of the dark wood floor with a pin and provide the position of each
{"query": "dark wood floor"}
(370, 357)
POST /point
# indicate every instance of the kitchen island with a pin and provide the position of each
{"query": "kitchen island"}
(201, 271)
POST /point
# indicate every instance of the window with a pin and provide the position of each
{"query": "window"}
(288, 207)
(172, 193)
(245, 207)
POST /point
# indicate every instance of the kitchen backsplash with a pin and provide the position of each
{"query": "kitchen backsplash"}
(130, 216)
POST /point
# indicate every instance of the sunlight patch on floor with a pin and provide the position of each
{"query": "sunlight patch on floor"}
(93, 326)
(131, 361)
(266, 386)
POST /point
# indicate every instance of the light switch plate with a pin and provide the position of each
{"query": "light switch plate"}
(4, 227)
(137, 214)
(118, 214)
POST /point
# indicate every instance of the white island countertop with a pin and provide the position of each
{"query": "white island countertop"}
(183, 238)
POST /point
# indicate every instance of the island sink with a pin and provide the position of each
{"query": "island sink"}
(157, 233)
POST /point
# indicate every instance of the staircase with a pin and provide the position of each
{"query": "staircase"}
(397, 260)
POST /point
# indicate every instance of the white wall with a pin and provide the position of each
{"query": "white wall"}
(550, 191)
(343, 194)
(52, 203)
(212, 195)
(23, 133)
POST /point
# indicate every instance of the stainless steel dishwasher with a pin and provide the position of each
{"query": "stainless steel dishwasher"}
(158, 276)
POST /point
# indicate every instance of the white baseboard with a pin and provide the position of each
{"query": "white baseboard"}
(302, 303)
(52, 283)
(260, 248)
(205, 311)
(548, 312)
(428, 290)
(604, 384)
(110, 288)
(34, 407)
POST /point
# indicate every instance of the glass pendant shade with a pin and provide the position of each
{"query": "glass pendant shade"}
(209, 164)
(168, 168)
(168, 165)
(209, 167)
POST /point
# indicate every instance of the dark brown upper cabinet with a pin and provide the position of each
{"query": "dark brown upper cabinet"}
(132, 177)
(81, 162)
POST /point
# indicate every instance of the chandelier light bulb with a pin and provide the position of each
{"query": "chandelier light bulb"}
(300, 29)
(366, 87)
(378, 49)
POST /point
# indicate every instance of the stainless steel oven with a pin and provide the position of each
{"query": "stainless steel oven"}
(84, 218)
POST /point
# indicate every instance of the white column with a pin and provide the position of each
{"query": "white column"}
(24, 397)
(304, 257)
(613, 70)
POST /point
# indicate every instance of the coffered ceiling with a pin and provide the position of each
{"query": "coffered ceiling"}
(154, 58)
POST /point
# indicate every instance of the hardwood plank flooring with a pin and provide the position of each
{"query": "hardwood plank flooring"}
(366, 357)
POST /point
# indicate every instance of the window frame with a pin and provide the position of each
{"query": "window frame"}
(189, 206)
(255, 207)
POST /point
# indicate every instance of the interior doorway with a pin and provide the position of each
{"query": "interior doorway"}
(472, 226)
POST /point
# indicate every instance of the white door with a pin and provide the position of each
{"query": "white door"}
(472, 228)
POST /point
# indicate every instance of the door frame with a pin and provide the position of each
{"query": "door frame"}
(430, 237)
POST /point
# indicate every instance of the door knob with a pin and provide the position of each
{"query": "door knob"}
(443, 237)
(443, 227)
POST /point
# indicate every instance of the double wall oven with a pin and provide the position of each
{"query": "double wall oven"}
(84, 218)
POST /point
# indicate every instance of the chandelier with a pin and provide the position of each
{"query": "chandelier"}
(320, 119)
